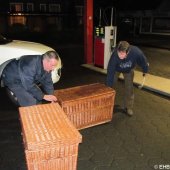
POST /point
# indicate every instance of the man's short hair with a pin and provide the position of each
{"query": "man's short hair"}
(50, 55)
(123, 46)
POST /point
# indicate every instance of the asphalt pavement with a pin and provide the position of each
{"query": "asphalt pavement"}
(140, 142)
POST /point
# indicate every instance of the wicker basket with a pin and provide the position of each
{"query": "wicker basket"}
(50, 140)
(87, 105)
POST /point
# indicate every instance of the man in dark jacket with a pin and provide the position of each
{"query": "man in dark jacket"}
(24, 75)
(123, 60)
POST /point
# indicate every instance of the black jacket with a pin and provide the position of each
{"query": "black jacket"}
(28, 71)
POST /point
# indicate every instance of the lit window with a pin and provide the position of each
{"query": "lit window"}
(16, 7)
(17, 20)
(54, 8)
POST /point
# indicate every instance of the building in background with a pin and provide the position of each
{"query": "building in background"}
(40, 15)
(151, 20)
(131, 17)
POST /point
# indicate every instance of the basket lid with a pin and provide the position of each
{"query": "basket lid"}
(83, 91)
(47, 125)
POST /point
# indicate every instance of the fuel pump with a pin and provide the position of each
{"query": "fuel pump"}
(109, 43)
(99, 47)
(104, 42)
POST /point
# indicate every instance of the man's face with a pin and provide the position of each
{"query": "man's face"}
(122, 54)
(50, 64)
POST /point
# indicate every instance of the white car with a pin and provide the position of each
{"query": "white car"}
(10, 49)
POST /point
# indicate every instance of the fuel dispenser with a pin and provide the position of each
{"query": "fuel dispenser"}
(104, 43)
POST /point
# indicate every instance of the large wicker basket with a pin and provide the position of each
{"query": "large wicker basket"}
(87, 105)
(50, 139)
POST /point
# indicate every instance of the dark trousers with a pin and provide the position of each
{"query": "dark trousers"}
(24, 98)
(128, 91)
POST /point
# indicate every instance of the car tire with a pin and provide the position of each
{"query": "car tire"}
(12, 96)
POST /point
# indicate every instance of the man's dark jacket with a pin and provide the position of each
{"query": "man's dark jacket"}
(134, 57)
(27, 72)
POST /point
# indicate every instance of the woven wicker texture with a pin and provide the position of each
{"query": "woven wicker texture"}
(87, 105)
(65, 163)
(50, 139)
(47, 126)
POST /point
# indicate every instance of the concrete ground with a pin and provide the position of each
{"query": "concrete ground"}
(126, 143)
(140, 142)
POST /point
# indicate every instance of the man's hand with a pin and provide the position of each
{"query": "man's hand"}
(143, 82)
(50, 98)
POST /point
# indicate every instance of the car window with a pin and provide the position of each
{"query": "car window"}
(4, 40)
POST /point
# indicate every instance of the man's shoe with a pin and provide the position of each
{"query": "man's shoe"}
(129, 112)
